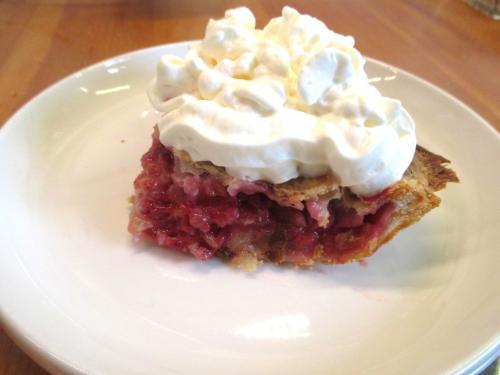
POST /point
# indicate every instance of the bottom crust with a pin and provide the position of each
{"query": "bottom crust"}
(198, 208)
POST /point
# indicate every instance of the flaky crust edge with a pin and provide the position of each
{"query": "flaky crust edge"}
(414, 195)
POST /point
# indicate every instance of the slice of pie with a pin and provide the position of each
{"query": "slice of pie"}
(197, 207)
(273, 145)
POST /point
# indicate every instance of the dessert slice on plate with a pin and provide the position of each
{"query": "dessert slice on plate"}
(274, 146)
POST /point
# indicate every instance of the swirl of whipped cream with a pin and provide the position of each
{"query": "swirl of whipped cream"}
(289, 100)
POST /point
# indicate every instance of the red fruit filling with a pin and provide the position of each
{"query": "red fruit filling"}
(200, 215)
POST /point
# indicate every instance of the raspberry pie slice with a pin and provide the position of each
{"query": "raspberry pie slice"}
(196, 207)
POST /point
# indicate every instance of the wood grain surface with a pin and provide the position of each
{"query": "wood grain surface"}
(443, 41)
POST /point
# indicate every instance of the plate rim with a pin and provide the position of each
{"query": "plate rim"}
(476, 362)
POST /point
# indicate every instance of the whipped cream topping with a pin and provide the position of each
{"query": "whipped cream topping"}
(289, 100)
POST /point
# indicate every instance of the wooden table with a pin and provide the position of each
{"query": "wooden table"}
(443, 41)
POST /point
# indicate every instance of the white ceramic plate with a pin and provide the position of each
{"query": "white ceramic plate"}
(80, 297)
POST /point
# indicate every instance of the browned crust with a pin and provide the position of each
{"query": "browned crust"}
(298, 189)
(433, 167)
(414, 195)
(426, 167)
